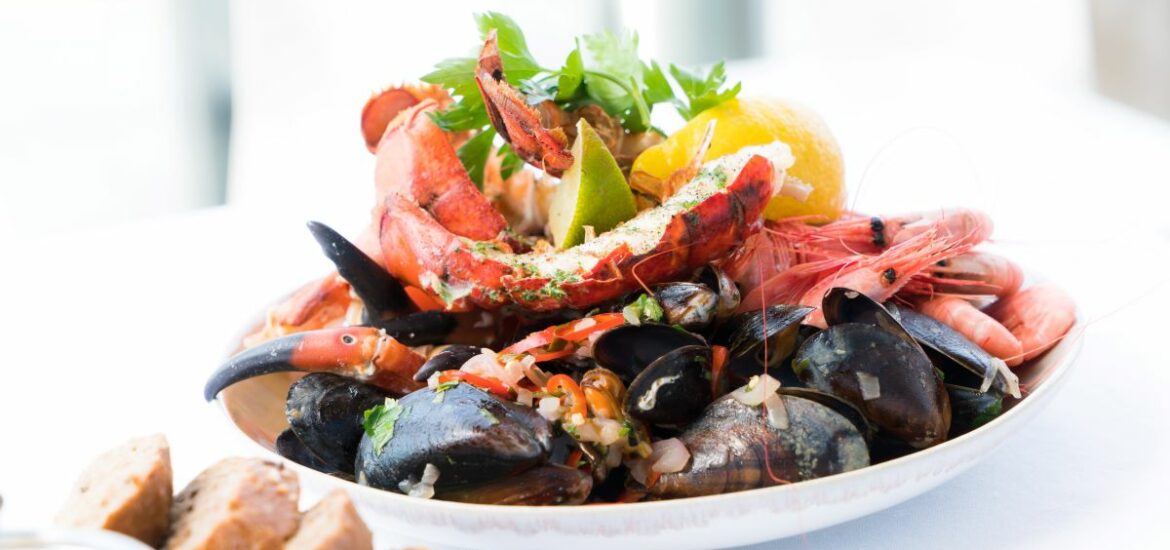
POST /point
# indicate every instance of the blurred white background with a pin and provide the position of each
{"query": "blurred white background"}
(115, 110)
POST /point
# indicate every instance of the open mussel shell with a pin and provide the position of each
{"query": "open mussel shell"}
(949, 350)
(628, 349)
(325, 412)
(290, 446)
(672, 390)
(839, 406)
(689, 305)
(753, 336)
(971, 408)
(959, 359)
(718, 280)
(734, 449)
(891, 381)
(468, 435)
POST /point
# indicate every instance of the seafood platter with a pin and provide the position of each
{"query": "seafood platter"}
(563, 321)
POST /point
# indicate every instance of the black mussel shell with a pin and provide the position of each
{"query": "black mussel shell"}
(718, 280)
(672, 390)
(449, 358)
(689, 305)
(540, 486)
(728, 454)
(325, 412)
(857, 361)
(628, 349)
(839, 406)
(289, 446)
(469, 435)
(971, 408)
(572, 364)
(420, 328)
(744, 336)
(960, 360)
(842, 305)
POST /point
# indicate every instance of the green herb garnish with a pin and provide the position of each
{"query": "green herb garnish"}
(379, 421)
(603, 69)
(491, 418)
(644, 308)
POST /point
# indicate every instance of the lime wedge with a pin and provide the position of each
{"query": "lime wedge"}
(593, 192)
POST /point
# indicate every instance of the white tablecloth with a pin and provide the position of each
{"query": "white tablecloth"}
(110, 333)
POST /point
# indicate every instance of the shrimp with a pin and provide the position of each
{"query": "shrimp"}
(1038, 316)
(880, 277)
(971, 274)
(980, 328)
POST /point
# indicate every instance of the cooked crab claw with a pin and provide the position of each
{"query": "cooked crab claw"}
(515, 121)
(364, 353)
(380, 292)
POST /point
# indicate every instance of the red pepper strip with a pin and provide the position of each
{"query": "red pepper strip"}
(574, 458)
(652, 477)
(552, 355)
(718, 362)
(601, 321)
(561, 383)
(482, 382)
(567, 331)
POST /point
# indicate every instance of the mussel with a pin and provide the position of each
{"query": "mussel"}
(690, 305)
(628, 349)
(971, 408)
(672, 390)
(733, 448)
(957, 356)
(774, 330)
(325, 412)
(470, 437)
(718, 280)
(289, 446)
(885, 376)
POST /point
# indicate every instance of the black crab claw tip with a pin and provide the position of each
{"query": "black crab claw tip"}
(378, 290)
(268, 357)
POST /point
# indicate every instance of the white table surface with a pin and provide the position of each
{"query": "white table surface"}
(109, 333)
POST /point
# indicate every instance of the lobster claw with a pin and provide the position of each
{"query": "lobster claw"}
(519, 124)
(365, 353)
(380, 293)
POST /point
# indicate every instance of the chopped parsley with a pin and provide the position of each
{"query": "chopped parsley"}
(441, 390)
(644, 308)
(379, 421)
(491, 418)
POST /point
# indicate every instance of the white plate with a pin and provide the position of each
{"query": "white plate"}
(256, 408)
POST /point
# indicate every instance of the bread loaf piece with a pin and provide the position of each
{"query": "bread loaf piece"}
(243, 503)
(127, 490)
(333, 524)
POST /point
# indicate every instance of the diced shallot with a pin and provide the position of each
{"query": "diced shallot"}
(669, 456)
(776, 413)
(756, 390)
(423, 488)
(550, 408)
(871, 388)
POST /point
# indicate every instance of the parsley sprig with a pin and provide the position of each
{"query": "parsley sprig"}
(603, 69)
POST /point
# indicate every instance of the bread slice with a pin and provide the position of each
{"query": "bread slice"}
(238, 503)
(128, 489)
(333, 524)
